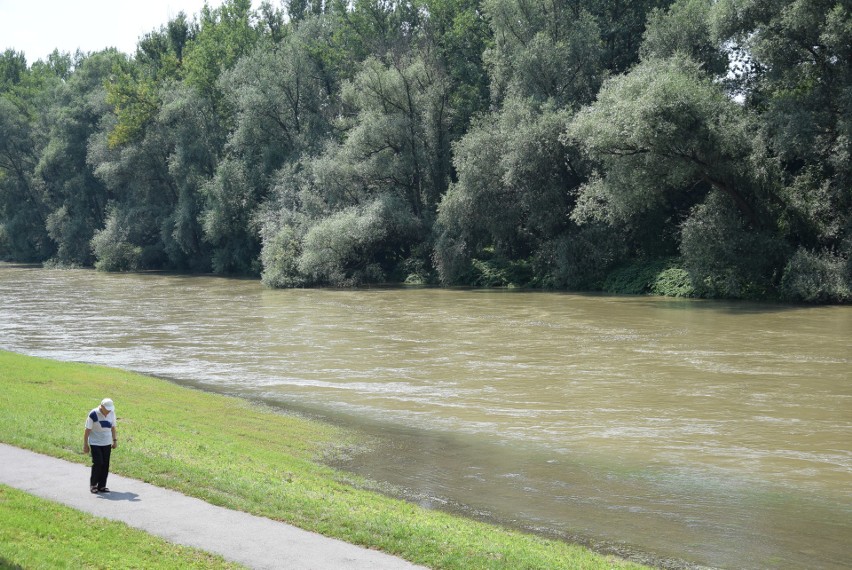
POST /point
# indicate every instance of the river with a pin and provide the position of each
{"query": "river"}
(682, 432)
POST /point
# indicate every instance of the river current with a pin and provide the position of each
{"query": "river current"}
(682, 432)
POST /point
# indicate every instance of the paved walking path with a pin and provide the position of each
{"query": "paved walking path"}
(253, 541)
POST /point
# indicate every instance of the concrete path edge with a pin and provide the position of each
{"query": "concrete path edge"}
(253, 541)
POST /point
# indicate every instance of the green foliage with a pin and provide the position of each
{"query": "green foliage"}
(685, 28)
(153, 185)
(814, 208)
(399, 142)
(160, 172)
(460, 33)
(673, 282)
(636, 278)
(452, 259)
(231, 200)
(23, 210)
(187, 126)
(817, 278)
(501, 273)
(524, 141)
(727, 259)
(112, 248)
(580, 259)
(512, 190)
(134, 87)
(544, 51)
(134, 101)
(281, 97)
(13, 68)
(517, 176)
(798, 82)
(663, 130)
(5, 244)
(655, 277)
(622, 25)
(561, 49)
(160, 52)
(358, 244)
(361, 207)
(72, 234)
(76, 197)
(224, 35)
(372, 28)
(280, 255)
(30, 90)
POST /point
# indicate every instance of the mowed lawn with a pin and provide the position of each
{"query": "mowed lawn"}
(241, 455)
(35, 533)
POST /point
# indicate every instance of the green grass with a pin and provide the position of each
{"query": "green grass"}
(232, 453)
(35, 533)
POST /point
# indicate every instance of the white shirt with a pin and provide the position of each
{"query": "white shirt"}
(101, 426)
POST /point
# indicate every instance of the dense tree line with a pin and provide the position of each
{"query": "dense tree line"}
(693, 147)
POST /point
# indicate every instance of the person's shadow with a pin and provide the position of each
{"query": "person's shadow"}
(114, 496)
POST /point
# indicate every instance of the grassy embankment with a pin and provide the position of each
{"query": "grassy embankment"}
(35, 533)
(232, 453)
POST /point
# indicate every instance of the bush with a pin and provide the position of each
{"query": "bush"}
(816, 278)
(113, 252)
(452, 260)
(673, 282)
(581, 259)
(55, 263)
(231, 199)
(501, 272)
(654, 277)
(358, 244)
(280, 255)
(416, 270)
(72, 236)
(727, 259)
(5, 243)
(636, 278)
(22, 241)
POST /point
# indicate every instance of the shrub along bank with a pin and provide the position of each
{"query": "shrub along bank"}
(236, 454)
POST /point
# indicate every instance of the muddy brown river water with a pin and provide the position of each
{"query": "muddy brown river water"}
(678, 431)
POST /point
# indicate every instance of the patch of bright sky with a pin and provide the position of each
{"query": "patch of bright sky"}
(37, 27)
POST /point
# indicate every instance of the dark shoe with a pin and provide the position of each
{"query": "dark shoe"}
(93, 489)
(103, 489)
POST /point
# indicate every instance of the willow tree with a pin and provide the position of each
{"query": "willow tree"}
(23, 214)
(76, 197)
(365, 204)
(157, 150)
(798, 81)
(27, 95)
(510, 204)
(283, 100)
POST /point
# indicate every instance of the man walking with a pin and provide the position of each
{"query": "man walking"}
(100, 438)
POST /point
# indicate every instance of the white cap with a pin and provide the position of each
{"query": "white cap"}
(107, 403)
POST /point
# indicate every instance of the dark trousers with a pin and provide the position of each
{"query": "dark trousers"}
(100, 465)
